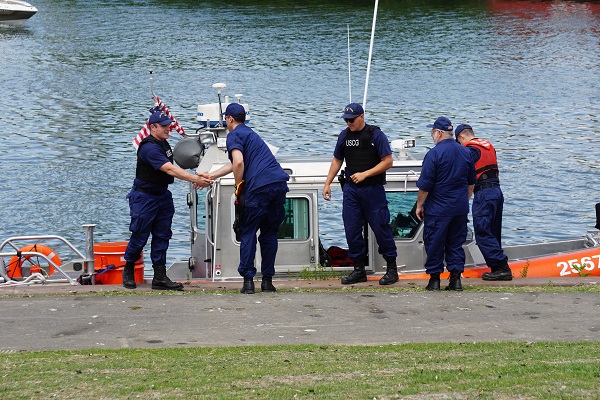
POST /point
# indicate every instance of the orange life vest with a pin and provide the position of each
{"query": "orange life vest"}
(487, 162)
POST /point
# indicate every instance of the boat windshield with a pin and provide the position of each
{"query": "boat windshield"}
(296, 222)
(403, 219)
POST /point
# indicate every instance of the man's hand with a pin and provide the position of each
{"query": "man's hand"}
(420, 212)
(358, 177)
(326, 192)
(202, 180)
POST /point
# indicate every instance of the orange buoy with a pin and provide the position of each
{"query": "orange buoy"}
(15, 265)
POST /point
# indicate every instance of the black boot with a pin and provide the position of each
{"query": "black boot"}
(500, 273)
(391, 274)
(454, 283)
(248, 287)
(162, 282)
(434, 282)
(358, 275)
(267, 284)
(128, 276)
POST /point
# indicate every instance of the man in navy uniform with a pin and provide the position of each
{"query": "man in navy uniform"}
(445, 186)
(368, 155)
(261, 185)
(151, 203)
(488, 204)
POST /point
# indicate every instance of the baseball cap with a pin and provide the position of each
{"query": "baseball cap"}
(442, 123)
(235, 110)
(352, 110)
(159, 117)
(460, 128)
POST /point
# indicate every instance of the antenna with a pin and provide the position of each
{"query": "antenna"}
(152, 86)
(349, 76)
(370, 55)
(219, 87)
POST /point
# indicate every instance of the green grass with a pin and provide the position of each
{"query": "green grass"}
(439, 370)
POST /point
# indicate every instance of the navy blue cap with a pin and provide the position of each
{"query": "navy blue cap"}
(159, 117)
(460, 128)
(352, 110)
(236, 110)
(442, 123)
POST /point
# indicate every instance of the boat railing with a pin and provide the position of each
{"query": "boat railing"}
(592, 238)
(408, 176)
(83, 262)
(214, 192)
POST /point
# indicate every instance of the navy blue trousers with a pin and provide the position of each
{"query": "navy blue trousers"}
(150, 214)
(487, 223)
(443, 238)
(263, 210)
(367, 204)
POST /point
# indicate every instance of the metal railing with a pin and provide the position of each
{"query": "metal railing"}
(37, 277)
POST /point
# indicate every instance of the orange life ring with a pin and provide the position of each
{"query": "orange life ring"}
(15, 265)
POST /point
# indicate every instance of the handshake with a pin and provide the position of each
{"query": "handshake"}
(202, 180)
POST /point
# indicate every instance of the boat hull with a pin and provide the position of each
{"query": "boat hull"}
(16, 12)
(577, 263)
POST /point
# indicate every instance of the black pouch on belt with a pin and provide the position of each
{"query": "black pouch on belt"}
(342, 179)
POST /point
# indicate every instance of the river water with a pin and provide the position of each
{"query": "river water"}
(75, 91)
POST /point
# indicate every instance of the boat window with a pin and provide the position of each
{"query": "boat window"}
(403, 219)
(295, 224)
(200, 210)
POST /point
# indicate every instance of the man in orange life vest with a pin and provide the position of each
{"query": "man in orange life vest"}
(488, 203)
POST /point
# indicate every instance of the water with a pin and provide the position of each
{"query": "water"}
(75, 91)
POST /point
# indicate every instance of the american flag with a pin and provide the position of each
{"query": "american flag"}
(145, 131)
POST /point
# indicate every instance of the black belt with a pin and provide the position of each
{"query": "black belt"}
(485, 186)
(150, 191)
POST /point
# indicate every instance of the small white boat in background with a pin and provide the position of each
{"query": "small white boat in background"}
(15, 12)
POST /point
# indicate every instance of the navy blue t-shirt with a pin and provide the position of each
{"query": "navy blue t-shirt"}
(260, 166)
(447, 171)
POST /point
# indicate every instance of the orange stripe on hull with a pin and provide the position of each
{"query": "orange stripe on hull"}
(561, 265)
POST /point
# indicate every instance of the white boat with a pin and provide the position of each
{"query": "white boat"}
(15, 12)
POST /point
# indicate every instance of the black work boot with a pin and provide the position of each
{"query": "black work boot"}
(128, 276)
(434, 282)
(501, 272)
(391, 274)
(248, 287)
(267, 284)
(162, 282)
(454, 283)
(358, 275)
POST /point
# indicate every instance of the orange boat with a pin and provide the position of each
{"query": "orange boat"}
(553, 259)
(561, 259)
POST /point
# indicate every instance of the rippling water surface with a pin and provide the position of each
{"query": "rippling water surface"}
(75, 90)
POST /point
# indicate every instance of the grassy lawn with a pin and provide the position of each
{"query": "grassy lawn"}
(508, 370)
(418, 371)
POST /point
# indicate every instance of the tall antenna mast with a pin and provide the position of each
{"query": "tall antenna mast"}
(370, 55)
(152, 87)
(349, 76)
